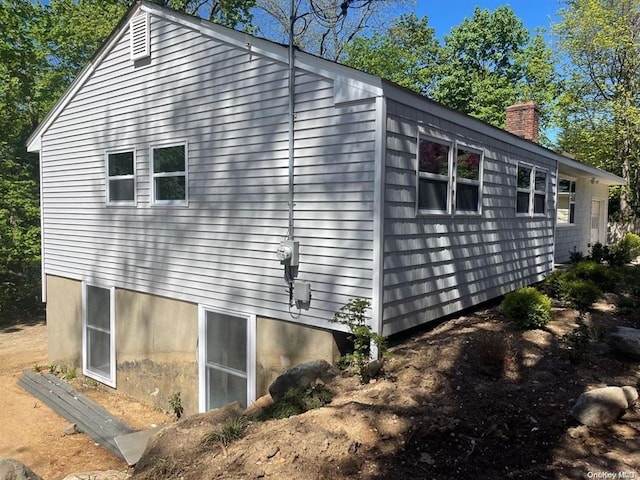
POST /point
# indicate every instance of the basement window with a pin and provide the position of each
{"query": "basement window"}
(139, 37)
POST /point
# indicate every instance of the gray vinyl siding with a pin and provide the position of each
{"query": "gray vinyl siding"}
(435, 265)
(230, 107)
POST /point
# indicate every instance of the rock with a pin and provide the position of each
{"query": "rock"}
(259, 405)
(11, 469)
(301, 376)
(603, 406)
(70, 429)
(373, 369)
(625, 340)
(105, 475)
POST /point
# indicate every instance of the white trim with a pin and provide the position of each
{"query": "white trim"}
(479, 182)
(152, 176)
(111, 380)
(573, 181)
(133, 177)
(43, 275)
(377, 306)
(202, 353)
(422, 135)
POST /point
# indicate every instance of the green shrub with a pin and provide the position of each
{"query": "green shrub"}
(598, 253)
(625, 250)
(577, 341)
(582, 294)
(527, 307)
(554, 284)
(604, 277)
(575, 256)
(296, 401)
(352, 315)
(175, 402)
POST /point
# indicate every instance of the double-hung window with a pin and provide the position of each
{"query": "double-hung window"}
(531, 190)
(434, 182)
(566, 201)
(169, 174)
(121, 178)
(468, 171)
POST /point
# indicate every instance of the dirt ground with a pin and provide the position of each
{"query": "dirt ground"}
(472, 398)
(32, 433)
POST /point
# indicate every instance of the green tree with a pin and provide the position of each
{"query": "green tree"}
(490, 61)
(600, 109)
(407, 54)
(230, 13)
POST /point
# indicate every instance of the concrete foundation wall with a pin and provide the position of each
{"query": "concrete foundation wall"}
(64, 321)
(281, 345)
(157, 349)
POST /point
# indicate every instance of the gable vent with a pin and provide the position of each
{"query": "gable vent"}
(139, 36)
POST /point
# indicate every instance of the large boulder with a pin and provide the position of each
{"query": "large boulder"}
(603, 406)
(625, 340)
(11, 469)
(301, 376)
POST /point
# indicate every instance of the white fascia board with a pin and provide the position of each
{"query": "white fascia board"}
(567, 166)
(34, 142)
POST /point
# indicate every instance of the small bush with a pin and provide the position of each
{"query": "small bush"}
(575, 256)
(604, 277)
(232, 429)
(554, 284)
(599, 253)
(297, 401)
(577, 341)
(352, 315)
(527, 307)
(175, 402)
(582, 294)
(625, 250)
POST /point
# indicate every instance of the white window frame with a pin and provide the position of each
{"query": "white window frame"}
(535, 192)
(528, 190)
(531, 191)
(116, 178)
(111, 379)
(432, 176)
(202, 353)
(466, 181)
(572, 201)
(182, 173)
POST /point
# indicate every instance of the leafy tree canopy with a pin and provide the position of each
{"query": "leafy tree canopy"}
(600, 106)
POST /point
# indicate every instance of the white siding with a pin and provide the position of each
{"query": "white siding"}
(230, 106)
(435, 265)
(577, 235)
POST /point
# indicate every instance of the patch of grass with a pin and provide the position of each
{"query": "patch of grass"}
(68, 372)
(297, 401)
(53, 368)
(37, 368)
(231, 430)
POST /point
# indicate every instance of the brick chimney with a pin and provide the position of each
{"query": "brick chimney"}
(523, 120)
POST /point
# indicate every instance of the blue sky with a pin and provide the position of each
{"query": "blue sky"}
(443, 15)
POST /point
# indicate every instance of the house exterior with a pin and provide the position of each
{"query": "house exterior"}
(192, 244)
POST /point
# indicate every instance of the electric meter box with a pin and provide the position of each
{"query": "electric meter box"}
(288, 252)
